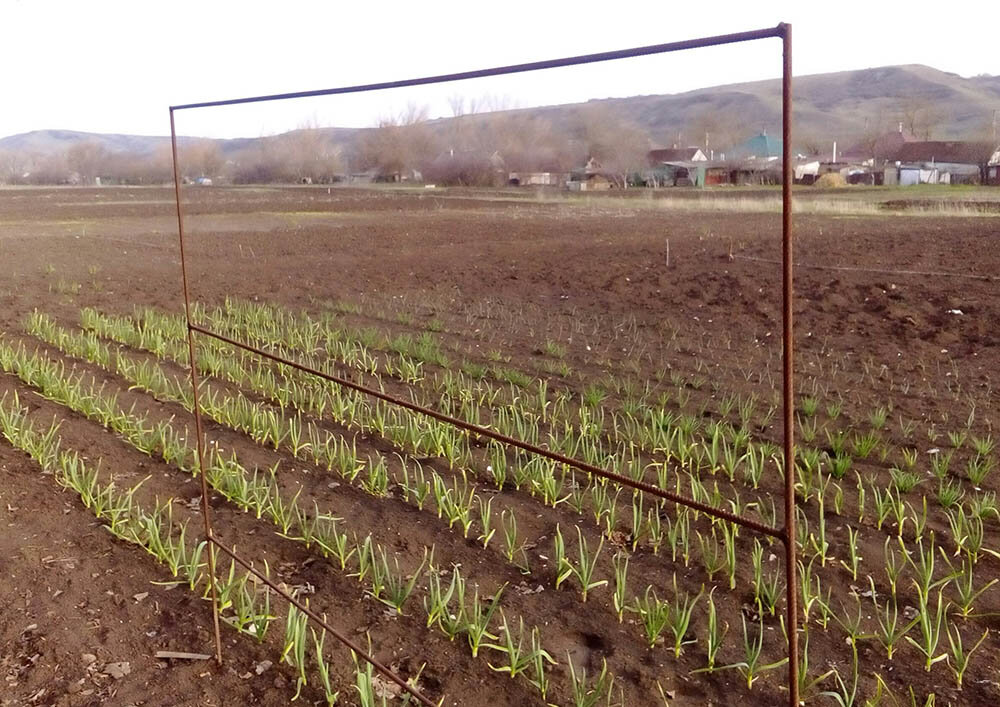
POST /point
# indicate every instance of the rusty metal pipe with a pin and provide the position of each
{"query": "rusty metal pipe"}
(503, 70)
(788, 345)
(322, 622)
(194, 386)
(491, 434)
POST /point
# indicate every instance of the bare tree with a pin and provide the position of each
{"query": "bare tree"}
(813, 145)
(869, 138)
(135, 168)
(986, 129)
(201, 158)
(456, 102)
(88, 159)
(530, 143)
(13, 166)
(310, 155)
(920, 116)
(397, 145)
(713, 131)
(259, 163)
(614, 141)
(48, 169)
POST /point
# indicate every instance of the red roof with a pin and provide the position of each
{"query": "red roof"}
(881, 148)
(955, 151)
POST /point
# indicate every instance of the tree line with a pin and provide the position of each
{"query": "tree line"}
(471, 148)
(480, 144)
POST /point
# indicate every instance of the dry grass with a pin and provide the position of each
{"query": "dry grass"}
(831, 180)
(768, 204)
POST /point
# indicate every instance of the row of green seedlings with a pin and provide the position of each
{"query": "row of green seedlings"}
(264, 322)
(979, 464)
(311, 335)
(270, 325)
(463, 395)
(854, 555)
(903, 479)
(324, 333)
(264, 424)
(774, 592)
(891, 632)
(250, 492)
(877, 419)
(967, 535)
(458, 503)
(259, 493)
(307, 333)
(817, 606)
(553, 364)
(295, 329)
(450, 615)
(576, 437)
(931, 620)
(549, 481)
(966, 523)
(719, 454)
(462, 512)
(967, 542)
(244, 602)
(810, 403)
(426, 436)
(553, 488)
(158, 333)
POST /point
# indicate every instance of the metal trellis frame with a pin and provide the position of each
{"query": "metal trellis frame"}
(785, 534)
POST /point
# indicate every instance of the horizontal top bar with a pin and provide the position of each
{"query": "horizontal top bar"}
(777, 31)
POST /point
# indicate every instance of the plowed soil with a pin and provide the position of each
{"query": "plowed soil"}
(892, 307)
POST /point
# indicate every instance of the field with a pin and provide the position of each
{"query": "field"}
(639, 333)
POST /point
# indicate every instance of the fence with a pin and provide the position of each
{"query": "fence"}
(785, 534)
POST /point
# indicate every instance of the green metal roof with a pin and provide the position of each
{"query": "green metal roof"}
(762, 145)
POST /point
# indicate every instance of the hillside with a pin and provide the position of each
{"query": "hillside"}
(836, 106)
(829, 106)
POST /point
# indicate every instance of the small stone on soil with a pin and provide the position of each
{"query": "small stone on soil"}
(117, 670)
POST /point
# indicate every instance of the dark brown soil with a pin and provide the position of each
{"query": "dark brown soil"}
(627, 287)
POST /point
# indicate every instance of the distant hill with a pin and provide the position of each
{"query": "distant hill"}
(47, 142)
(834, 106)
(839, 106)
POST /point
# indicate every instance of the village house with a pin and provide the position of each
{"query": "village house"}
(675, 154)
(674, 167)
(593, 177)
(536, 179)
(944, 162)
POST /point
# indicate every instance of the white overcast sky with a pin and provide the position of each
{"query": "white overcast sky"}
(104, 66)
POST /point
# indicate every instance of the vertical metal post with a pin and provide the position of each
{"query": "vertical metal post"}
(787, 288)
(192, 362)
